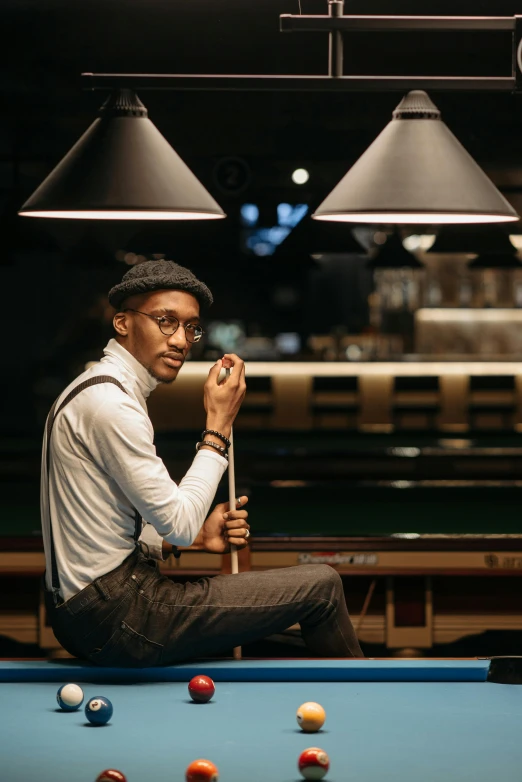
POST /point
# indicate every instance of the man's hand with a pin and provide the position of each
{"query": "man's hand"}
(223, 400)
(224, 528)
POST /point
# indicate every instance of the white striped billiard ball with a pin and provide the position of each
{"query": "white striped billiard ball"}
(69, 697)
(313, 763)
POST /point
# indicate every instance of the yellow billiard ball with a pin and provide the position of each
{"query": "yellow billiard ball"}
(310, 717)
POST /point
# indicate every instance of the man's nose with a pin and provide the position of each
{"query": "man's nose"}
(178, 339)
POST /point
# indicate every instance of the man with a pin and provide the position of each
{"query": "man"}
(115, 510)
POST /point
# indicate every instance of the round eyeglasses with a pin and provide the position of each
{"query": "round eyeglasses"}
(168, 325)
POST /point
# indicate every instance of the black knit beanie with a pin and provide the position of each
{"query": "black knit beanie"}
(159, 275)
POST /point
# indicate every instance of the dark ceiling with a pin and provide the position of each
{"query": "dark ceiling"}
(53, 41)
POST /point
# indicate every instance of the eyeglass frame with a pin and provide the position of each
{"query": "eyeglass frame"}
(157, 318)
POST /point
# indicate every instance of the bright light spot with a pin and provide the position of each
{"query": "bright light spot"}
(288, 343)
(284, 213)
(406, 535)
(277, 234)
(405, 451)
(353, 352)
(263, 248)
(415, 218)
(418, 242)
(300, 176)
(516, 240)
(289, 215)
(249, 214)
(125, 214)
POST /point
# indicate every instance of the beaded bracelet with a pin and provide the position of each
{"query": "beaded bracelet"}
(217, 434)
(220, 448)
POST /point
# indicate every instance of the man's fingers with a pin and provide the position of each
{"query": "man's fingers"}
(237, 538)
(240, 503)
(235, 514)
(215, 370)
(236, 525)
(232, 360)
(229, 361)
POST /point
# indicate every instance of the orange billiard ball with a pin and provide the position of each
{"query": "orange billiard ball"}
(313, 763)
(201, 771)
(111, 775)
(310, 717)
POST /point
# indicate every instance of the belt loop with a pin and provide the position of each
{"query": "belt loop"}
(102, 589)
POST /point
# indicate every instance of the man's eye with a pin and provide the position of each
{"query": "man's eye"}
(192, 328)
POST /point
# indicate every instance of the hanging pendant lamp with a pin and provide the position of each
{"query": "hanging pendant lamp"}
(474, 239)
(416, 172)
(393, 255)
(317, 238)
(122, 168)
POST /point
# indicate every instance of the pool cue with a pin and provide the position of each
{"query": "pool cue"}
(232, 506)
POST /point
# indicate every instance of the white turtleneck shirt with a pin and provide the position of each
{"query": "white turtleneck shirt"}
(103, 466)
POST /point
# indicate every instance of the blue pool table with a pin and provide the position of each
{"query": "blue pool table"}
(387, 720)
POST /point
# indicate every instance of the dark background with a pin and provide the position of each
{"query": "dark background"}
(53, 272)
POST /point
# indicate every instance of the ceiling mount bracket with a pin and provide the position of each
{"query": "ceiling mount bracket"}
(337, 24)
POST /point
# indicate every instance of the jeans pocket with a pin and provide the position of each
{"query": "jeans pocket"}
(127, 648)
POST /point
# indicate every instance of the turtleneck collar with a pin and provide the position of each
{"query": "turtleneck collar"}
(142, 380)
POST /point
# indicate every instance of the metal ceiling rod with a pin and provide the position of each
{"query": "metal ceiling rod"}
(368, 24)
(260, 83)
(335, 40)
(336, 24)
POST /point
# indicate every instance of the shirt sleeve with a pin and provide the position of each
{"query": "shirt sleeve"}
(121, 442)
(151, 542)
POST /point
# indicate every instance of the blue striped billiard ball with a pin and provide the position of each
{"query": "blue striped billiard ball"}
(98, 710)
(69, 697)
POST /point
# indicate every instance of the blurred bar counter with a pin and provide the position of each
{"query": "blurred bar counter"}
(448, 396)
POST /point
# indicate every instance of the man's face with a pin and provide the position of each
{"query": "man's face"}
(161, 355)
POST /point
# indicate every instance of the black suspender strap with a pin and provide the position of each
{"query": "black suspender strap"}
(50, 423)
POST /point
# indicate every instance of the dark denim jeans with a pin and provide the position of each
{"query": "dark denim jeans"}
(135, 617)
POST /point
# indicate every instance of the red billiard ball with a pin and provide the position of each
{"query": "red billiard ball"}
(313, 763)
(201, 771)
(111, 775)
(201, 689)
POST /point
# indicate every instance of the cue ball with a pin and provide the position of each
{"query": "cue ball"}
(313, 763)
(201, 771)
(201, 689)
(111, 775)
(98, 710)
(69, 697)
(310, 717)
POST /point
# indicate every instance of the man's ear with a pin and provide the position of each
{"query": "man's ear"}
(120, 324)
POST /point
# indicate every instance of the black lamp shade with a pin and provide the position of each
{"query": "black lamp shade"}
(311, 237)
(472, 239)
(122, 168)
(393, 255)
(416, 172)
